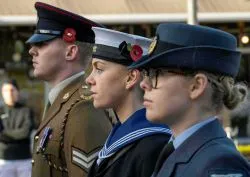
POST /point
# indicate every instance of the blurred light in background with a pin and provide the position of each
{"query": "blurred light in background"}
(245, 39)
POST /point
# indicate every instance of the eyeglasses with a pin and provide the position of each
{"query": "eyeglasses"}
(153, 74)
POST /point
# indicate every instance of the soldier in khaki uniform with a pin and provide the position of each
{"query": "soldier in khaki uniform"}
(72, 131)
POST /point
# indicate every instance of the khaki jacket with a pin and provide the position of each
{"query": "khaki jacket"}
(77, 132)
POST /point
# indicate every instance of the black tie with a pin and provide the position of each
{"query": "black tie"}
(166, 151)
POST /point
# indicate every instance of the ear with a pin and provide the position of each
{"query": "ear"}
(132, 78)
(198, 86)
(71, 52)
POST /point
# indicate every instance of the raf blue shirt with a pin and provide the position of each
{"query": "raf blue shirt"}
(177, 141)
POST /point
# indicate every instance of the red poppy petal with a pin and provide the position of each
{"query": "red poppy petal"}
(136, 52)
(69, 35)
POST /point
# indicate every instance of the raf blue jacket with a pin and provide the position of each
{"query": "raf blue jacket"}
(206, 153)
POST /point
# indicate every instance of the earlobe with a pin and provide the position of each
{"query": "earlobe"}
(198, 86)
(132, 78)
(71, 52)
(128, 83)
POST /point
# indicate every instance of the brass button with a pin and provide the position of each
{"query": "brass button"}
(66, 96)
(32, 161)
(36, 138)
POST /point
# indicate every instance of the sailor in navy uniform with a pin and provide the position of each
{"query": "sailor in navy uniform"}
(134, 144)
(191, 68)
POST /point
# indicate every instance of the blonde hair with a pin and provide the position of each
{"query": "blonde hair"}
(226, 92)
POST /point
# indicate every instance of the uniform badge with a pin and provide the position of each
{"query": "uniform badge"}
(226, 173)
(66, 96)
(82, 159)
(44, 140)
(152, 45)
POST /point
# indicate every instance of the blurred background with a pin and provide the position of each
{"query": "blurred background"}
(18, 19)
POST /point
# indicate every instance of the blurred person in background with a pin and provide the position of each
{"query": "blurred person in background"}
(16, 123)
(240, 120)
(134, 144)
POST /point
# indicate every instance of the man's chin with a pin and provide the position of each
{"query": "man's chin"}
(36, 74)
(39, 76)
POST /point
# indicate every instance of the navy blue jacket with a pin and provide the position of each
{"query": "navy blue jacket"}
(206, 153)
(137, 161)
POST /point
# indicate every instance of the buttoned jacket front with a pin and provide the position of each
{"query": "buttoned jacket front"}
(78, 133)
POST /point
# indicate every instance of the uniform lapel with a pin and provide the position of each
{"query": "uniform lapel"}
(189, 147)
(63, 97)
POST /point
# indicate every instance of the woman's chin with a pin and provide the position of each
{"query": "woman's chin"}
(153, 117)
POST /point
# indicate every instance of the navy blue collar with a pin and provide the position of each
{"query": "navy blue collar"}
(134, 128)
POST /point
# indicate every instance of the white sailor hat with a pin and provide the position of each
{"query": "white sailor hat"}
(119, 47)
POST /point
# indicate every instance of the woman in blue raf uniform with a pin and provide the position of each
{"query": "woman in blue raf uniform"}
(188, 80)
(134, 144)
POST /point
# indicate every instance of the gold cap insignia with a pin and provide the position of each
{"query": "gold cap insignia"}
(152, 45)
(66, 96)
(94, 48)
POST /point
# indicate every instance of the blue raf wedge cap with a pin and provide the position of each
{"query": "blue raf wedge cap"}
(192, 47)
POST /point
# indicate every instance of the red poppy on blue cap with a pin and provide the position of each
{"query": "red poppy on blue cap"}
(69, 35)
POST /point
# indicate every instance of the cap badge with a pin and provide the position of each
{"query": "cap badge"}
(69, 35)
(152, 46)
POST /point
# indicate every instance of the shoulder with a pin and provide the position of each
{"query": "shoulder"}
(226, 163)
(83, 119)
(144, 154)
(157, 139)
(22, 108)
(84, 109)
(220, 157)
(151, 145)
(224, 147)
(80, 105)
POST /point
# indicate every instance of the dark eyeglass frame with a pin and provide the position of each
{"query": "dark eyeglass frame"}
(152, 74)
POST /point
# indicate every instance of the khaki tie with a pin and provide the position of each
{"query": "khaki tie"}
(46, 108)
(166, 151)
